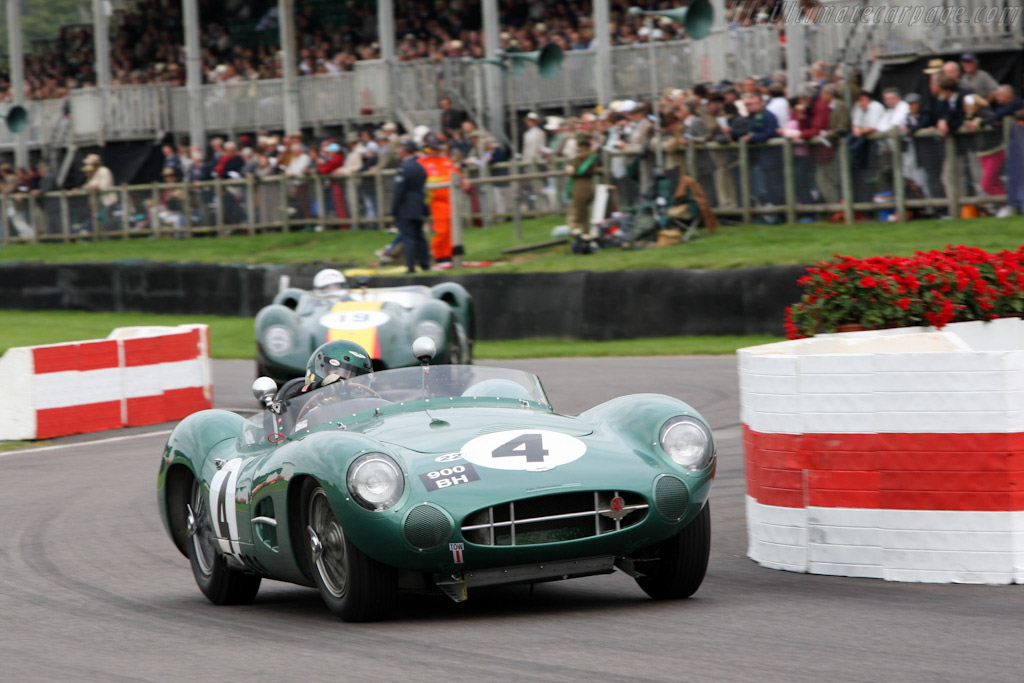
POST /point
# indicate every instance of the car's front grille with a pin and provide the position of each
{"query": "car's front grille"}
(554, 518)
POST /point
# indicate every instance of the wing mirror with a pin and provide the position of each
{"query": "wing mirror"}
(424, 348)
(264, 389)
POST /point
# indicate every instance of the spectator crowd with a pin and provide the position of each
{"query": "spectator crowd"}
(240, 38)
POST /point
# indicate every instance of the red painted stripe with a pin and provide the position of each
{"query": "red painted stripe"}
(93, 417)
(170, 405)
(163, 349)
(980, 472)
(91, 355)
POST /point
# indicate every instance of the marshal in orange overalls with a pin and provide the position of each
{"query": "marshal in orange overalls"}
(439, 170)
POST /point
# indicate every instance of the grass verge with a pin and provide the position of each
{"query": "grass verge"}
(233, 337)
(18, 445)
(735, 246)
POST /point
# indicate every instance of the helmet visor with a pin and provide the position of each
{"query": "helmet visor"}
(333, 366)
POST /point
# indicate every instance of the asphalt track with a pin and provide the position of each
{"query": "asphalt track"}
(92, 589)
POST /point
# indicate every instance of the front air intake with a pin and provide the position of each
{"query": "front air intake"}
(671, 497)
(426, 527)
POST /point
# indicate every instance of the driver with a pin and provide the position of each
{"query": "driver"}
(336, 360)
(330, 283)
(330, 362)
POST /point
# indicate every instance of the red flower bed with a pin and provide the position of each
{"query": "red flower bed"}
(930, 288)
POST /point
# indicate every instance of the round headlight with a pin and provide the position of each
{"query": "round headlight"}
(687, 442)
(277, 339)
(429, 328)
(375, 481)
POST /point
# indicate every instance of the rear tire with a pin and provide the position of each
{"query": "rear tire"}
(681, 561)
(353, 586)
(220, 584)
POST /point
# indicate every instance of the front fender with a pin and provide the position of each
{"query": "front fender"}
(187, 452)
(461, 303)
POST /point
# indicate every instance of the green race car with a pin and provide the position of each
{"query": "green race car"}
(437, 479)
(384, 321)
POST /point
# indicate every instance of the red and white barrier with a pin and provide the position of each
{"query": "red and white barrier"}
(137, 376)
(895, 455)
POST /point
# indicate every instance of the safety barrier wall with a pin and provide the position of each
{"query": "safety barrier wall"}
(896, 455)
(583, 305)
(137, 376)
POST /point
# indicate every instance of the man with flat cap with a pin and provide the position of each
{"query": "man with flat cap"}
(408, 206)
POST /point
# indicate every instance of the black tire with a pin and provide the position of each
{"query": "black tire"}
(220, 584)
(353, 586)
(681, 561)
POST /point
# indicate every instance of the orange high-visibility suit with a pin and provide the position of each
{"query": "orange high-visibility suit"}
(439, 170)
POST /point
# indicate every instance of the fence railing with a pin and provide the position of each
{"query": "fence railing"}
(888, 176)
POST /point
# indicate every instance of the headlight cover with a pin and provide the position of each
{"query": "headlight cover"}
(429, 328)
(277, 339)
(375, 481)
(688, 442)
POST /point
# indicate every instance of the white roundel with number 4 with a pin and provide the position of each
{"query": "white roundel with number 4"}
(533, 450)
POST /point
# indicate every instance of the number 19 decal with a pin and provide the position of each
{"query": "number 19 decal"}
(526, 450)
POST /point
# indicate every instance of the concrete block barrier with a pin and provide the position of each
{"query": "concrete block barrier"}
(137, 376)
(896, 454)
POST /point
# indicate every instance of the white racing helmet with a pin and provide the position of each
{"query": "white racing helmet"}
(329, 282)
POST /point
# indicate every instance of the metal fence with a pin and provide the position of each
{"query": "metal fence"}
(884, 177)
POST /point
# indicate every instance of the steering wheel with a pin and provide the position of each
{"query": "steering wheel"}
(319, 401)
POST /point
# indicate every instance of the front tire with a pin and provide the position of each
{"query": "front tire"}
(353, 586)
(679, 564)
(220, 584)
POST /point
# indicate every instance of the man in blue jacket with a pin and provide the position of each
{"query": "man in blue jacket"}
(765, 162)
(408, 206)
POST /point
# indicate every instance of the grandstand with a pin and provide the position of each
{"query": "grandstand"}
(345, 74)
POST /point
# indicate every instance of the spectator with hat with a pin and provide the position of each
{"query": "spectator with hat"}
(328, 162)
(100, 180)
(532, 154)
(580, 187)
(975, 79)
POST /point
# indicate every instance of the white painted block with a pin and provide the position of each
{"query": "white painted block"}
(773, 423)
(956, 561)
(72, 388)
(924, 576)
(847, 517)
(858, 571)
(769, 384)
(846, 535)
(963, 541)
(840, 423)
(861, 383)
(774, 514)
(950, 400)
(840, 403)
(768, 365)
(790, 557)
(844, 554)
(783, 535)
(950, 423)
(17, 412)
(836, 364)
(898, 380)
(949, 520)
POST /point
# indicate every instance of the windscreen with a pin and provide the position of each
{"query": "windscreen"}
(388, 388)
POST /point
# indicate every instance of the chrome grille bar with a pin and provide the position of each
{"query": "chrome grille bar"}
(527, 520)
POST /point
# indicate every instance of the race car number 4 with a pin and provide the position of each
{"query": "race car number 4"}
(354, 320)
(528, 450)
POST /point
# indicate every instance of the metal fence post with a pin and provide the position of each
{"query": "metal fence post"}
(352, 192)
(3, 220)
(286, 217)
(65, 216)
(455, 195)
(952, 174)
(846, 180)
(319, 197)
(218, 202)
(899, 189)
(250, 204)
(125, 223)
(745, 181)
(378, 191)
(154, 212)
(788, 180)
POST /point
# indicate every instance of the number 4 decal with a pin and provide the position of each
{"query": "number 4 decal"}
(534, 450)
(529, 445)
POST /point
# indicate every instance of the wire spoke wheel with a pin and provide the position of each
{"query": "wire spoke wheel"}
(332, 563)
(202, 539)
